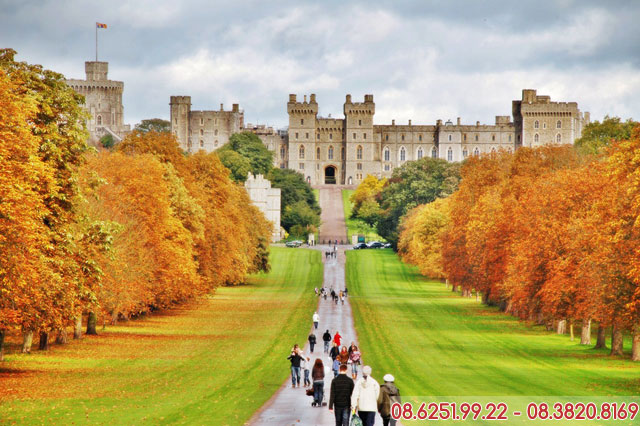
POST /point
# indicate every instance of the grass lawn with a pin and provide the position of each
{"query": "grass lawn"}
(356, 226)
(437, 343)
(212, 362)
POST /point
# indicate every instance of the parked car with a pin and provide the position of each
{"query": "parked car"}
(387, 245)
(294, 243)
(360, 246)
(375, 244)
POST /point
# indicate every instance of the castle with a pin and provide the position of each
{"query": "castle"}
(345, 150)
(103, 100)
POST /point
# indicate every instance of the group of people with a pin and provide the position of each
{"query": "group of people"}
(336, 296)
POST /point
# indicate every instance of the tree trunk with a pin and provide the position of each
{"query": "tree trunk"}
(601, 341)
(2, 345)
(27, 341)
(92, 321)
(62, 337)
(571, 330)
(616, 340)
(635, 347)
(562, 327)
(454, 288)
(446, 283)
(77, 330)
(44, 341)
(585, 336)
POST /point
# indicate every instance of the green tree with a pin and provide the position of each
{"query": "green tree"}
(107, 141)
(238, 164)
(597, 135)
(300, 214)
(250, 146)
(414, 183)
(294, 189)
(153, 125)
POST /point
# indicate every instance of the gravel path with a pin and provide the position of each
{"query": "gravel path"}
(333, 226)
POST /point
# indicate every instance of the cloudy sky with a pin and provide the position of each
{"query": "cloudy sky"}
(422, 60)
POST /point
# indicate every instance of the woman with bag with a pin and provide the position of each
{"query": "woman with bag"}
(317, 375)
(354, 357)
(365, 397)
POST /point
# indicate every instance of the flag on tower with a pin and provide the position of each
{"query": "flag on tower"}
(99, 25)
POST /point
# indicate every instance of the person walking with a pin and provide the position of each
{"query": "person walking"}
(354, 356)
(317, 375)
(342, 298)
(334, 352)
(389, 395)
(312, 341)
(295, 359)
(326, 338)
(365, 397)
(316, 319)
(317, 294)
(343, 356)
(340, 397)
(337, 338)
(304, 365)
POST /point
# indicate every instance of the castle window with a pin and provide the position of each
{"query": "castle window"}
(302, 121)
(317, 153)
(331, 136)
(536, 124)
(342, 153)
(449, 154)
(215, 143)
(201, 132)
(509, 138)
(296, 135)
(99, 120)
(420, 152)
(359, 152)
(493, 138)
(536, 138)
(364, 136)
(306, 135)
(201, 143)
(354, 136)
(386, 137)
(301, 166)
(544, 125)
(215, 132)
(402, 137)
(465, 153)
(559, 124)
(283, 150)
(434, 152)
(359, 122)
(330, 153)
(464, 137)
(301, 152)
(386, 153)
(476, 152)
(420, 138)
(359, 166)
(558, 138)
(386, 167)
(403, 154)
(476, 138)
(449, 138)
(201, 121)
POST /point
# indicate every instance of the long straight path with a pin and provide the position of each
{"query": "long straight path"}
(333, 226)
(291, 406)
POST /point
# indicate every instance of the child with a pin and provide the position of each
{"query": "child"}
(336, 367)
(305, 366)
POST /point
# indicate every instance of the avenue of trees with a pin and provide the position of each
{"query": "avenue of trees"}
(551, 234)
(106, 235)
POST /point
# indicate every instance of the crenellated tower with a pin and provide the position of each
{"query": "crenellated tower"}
(362, 154)
(302, 134)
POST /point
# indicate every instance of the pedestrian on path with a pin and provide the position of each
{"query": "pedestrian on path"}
(304, 364)
(326, 338)
(389, 395)
(365, 397)
(317, 375)
(340, 397)
(334, 352)
(354, 357)
(337, 338)
(316, 319)
(343, 356)
(312, 341)
(295, 359)
(317, 291)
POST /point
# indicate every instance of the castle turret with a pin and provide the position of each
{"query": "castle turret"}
(96, 71)
(180, 107)
(360, 149)
(302, 133)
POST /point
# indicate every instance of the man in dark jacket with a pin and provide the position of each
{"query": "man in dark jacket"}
(389, 395)
(295, 359)
(326, 337)
(340, 397)
(312, 341)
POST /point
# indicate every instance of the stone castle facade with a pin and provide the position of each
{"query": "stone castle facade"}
(267, 199)
(345, 150)
(103, 100)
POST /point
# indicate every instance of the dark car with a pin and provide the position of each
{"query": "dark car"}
(360, 246)
(375, 244)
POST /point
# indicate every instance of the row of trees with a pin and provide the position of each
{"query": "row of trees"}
(549, 234)
(106, 235)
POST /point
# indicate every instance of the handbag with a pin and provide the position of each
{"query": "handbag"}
(355, 420)
(310, 392)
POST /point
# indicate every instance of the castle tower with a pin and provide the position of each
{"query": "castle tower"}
(180, 109)
(302, 135)
(362, 154)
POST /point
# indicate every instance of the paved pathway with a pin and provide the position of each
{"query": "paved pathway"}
(292, 406)
(333, 226)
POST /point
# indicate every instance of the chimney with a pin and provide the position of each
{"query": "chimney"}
(312, 99)
(393, 122)
(292, 97)
(235, 108)
(458, 121)
(477, 123)
(305, 99)
(409, 122)
(438, 122)
(221, 107)
(348, 99)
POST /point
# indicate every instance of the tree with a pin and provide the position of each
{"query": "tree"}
(249, 146)
(238, 165)
(300, 214)
(368, 190)
(107, 141)
(596, 136)
(153, 125)
(294, 189)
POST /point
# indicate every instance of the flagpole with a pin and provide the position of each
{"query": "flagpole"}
(96, 42)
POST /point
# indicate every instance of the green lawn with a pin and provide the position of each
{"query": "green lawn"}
(357, 226)
(215, 362)
(437, 343)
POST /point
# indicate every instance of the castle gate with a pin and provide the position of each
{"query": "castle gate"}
(330, 175)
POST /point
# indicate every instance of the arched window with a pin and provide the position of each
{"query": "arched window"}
(476, 152)
(99, 120)
(420, 153)
(559, 124)
(283, 150)
(359, 152)
(450, 154)
(434, 152)
(386, 153)
(465, 153)
(215, 132)
(403, 154)
(201, 143)
(317, 153)
(536, 124)
(330, 153)
(301, 152)
(559, 138)
(536, 138)
(201, 132)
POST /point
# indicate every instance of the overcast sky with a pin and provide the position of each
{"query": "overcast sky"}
(422, 60)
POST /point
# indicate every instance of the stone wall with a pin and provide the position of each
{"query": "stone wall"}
(267, 199)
